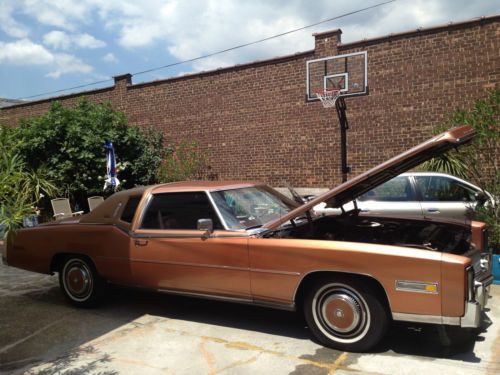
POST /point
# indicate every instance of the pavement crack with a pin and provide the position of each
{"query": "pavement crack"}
(240, 362)
(26, 338)
(330, 367)
(209, 357)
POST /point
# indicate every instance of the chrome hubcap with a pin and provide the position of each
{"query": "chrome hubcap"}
(341, 313)
(78, 280)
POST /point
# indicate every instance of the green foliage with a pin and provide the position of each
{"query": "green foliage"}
(69, 143)
(21, 188)
(479, 162)
(451, 163)
(181, 162)
(490, 214)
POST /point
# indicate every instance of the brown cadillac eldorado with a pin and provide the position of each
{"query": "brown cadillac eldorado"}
(351, 275)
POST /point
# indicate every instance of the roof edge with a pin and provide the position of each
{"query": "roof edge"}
(437, 28)
(222, 70)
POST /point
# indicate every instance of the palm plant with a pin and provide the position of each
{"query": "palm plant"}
(21, 189)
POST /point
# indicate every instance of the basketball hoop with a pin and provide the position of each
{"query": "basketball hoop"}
(328, 97)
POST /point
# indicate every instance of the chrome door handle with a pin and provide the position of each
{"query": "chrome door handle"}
(140, 242)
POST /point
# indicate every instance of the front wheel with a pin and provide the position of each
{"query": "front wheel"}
(346, 314)
(80, 282)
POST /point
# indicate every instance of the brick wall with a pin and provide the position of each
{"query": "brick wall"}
(253, 122)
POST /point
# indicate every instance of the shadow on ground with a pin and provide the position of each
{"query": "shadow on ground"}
(38, 326)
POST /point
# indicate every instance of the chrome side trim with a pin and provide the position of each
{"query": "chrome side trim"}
(185, 264)
(471, 318)
(165, 234)
(275, 272)
(190, 264)
(432, 319)
(246, 301)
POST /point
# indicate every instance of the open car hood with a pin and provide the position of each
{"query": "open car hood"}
(376, 176)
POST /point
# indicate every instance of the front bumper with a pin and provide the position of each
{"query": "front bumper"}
(478, 298)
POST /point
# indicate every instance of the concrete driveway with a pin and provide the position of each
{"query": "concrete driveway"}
(138, 332)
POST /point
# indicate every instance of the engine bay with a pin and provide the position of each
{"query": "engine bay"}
(351, 227)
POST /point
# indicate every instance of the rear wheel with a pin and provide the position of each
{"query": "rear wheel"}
(346, 314)
(80, 282)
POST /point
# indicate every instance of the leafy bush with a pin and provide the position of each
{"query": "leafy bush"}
(480, 161)
(181, 162)
(69, 143)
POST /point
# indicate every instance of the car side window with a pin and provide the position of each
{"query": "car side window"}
(396, 190)
(443, 189)
(179, 211)
(130, 208)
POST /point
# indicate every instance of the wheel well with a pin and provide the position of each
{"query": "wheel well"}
(310, 279)
(58, 259)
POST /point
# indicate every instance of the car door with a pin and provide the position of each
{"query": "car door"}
(395, 197)
(170, 253)
(445, 197)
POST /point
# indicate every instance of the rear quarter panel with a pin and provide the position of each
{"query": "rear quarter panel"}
(34, 248)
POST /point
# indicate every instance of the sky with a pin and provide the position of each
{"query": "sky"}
(51, 45)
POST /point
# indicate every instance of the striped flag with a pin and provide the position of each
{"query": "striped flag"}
(111, 179)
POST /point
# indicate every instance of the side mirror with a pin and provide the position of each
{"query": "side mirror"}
(206, 225)
(481, 198)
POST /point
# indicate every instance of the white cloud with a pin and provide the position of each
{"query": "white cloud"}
(190, 28)
(109, 58)
(25, 52)
(65, 14)
(8, 24)
(57, 39)
(139, 34)
(62, 40)
(88, 41)
(68, 64)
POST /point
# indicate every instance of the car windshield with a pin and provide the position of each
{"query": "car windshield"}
(251, 207)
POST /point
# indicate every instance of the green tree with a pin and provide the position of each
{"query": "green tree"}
(69, 143)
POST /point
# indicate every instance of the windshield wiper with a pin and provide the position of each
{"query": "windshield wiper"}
(254, 227)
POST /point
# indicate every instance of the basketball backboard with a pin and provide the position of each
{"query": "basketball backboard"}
(348, 72)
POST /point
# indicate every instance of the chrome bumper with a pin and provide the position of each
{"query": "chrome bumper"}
(479, 294)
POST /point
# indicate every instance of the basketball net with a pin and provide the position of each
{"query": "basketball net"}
(328, 97)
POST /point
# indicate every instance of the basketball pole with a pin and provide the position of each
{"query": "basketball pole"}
(341, 107)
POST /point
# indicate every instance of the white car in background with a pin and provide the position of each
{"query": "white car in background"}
(419, 194)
